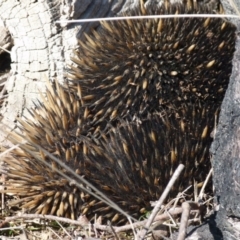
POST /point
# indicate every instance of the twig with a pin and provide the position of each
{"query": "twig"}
(4, 49)
(3, 179)
(160, 218)
(150, 17)
(2, 97)
(50, 229)
(63, 229)
(186, 206)
(10, 149)
(113, 231)
(205, 184)
(142, 234)
(3, 91)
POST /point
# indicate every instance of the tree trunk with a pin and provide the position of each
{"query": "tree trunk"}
(226, 151)
(42, 48)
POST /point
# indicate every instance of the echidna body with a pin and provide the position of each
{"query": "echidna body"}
(55, 127)
(138, 159)
(56, 124)
(131, 165)
(135, 67)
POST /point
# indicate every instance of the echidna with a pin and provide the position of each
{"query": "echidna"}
(171, 74)
(135, 67)
(138, 159)
(55, 123)
(131, 165)
(55, 126)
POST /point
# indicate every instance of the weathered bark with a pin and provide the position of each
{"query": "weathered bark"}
(42, 48)
(226, 151)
